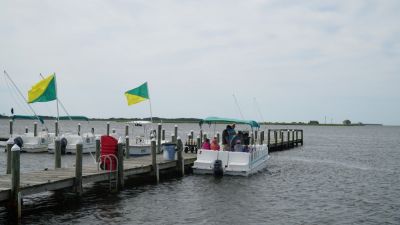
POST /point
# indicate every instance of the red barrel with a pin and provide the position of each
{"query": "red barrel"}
(109, 146)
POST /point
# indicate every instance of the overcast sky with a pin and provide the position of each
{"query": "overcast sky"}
(300, 60)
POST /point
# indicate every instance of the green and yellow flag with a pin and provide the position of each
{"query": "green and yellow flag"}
(44, 90)
(137, 95)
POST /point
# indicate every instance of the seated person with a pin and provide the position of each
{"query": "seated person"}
(214, 144)
(238, 146)
(206, 144)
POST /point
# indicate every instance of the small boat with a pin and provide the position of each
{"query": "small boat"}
(252, 159)
(32, 142)
(69, 140)
(140, 144)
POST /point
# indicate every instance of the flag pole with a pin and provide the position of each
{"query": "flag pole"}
(151, 112)
(58, 114)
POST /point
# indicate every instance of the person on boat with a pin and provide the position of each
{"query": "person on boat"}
(214, 144)
(238, 146)
(225, 138)
(231, 136)
(206, 144)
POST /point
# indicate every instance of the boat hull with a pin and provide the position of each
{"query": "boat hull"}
(233, 163)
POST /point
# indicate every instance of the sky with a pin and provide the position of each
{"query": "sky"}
(283, 60)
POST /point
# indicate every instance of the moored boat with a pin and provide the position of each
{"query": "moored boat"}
(244, 161)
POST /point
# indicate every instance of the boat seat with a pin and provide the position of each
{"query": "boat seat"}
(238, 159)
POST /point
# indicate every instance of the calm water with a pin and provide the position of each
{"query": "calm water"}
(342, 175)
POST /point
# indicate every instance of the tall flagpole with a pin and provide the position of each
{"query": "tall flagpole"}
(58, 114)
(151, 112)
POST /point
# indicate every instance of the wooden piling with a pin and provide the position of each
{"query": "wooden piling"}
(269, 138)
(218, 137)
(255, 136)
(159, 128)
(97, 149)
(175, 133)
(288, 139)
(35, 133)
(127, 141)
(163, 135)
(78, 170)
(156, 173)
(11, 128)
(26, 130)
(120, 157)
(56, 128)
(92, 130)
(276, 137)
(57, 153)
(108, 129)
(180, 165)
(198, 142)
(192, 134)
(261, 137)
(201, 136)
(79, 129)
(15, 180)
(10, 144)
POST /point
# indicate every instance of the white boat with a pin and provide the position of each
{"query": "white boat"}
(231, 163)
(34, 144)
(246, 160)
(140, 144)
(88, 141)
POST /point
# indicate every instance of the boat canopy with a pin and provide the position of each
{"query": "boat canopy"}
(28, 117)
(210, 120)
(141, 122)
(73, 118)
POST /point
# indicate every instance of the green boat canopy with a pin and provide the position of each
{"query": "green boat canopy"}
(28, 117)
(210, 120)
(73, 118)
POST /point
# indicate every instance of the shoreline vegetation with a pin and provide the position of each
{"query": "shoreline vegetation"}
(197, 120)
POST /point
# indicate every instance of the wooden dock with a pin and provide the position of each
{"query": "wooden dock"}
(55, 179)
(282, 139)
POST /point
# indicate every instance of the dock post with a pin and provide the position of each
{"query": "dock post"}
(163, 135)
(93, 130)
(127, 141)
(252, 142)
(159, 128)
(79, 129)
(11, 128)
(56, 128)
(276, 138)
(26, 130)
(269, 138)
(35, 129)
(288, 139)
(180, 164)
(156, 173)
(173, 138)
(15, 180)
(57, 152)
(10, 144)
(218, 137)
(192, 134)
(255, 136)
(120, 156)
(108, 129)
(204, 137)
(198, 142)
(175, 133)
(78, 169)
(302, 137)
(297, 137)
(97, 149)
(201, 136)
(261, 137)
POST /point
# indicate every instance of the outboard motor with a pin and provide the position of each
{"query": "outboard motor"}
(64, 143)
(218, 170)
(18, 141)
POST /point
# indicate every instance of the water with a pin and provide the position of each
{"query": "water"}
(342, 175)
